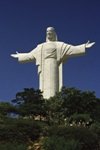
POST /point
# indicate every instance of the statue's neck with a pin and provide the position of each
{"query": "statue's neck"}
(53, 40)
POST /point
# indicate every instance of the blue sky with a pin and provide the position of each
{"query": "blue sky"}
(22, 26)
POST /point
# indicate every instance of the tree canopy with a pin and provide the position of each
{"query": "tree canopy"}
(71, 114)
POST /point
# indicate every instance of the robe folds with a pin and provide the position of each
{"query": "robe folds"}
(50, 57)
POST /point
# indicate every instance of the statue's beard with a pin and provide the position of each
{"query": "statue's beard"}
(51, 39)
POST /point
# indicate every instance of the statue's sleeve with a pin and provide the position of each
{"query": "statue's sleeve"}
(70, 50)
(25, 57)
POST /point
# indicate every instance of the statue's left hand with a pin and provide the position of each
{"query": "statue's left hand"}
(88, 44)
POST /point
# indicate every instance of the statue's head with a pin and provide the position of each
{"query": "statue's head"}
(51, 34)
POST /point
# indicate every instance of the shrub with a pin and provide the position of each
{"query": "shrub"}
(12, 146)
(87, 138)
(60, 143)
(96, 128)
(19, 130)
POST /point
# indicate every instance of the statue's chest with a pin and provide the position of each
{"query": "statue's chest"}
(50, 50)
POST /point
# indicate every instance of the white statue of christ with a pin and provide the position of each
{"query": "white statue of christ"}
(49, 57)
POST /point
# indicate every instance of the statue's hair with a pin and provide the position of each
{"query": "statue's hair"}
(53, 30)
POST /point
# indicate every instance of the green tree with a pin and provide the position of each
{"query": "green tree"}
(12, 146)
(83, 138)
(70, 104)
(78, 102)
(30, 103)
(60, 143)
(54, 110)
(6, 108)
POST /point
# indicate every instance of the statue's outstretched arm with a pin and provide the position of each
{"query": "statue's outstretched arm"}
(79, 49)
(24, 57)
(70, 50)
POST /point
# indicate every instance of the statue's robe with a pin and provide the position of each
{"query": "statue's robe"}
(50, 57)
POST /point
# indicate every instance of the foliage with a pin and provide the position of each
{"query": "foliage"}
(60, 143)
(71, 101)
(87, 138)
(30, 102)
(80, 120)
(76, 101)
(54, 110)
(12, 146)
(19, 130)
(70, 120)
(63, 105)
(96, 128)
(6, 108)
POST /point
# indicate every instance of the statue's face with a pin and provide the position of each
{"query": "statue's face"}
(50, 35)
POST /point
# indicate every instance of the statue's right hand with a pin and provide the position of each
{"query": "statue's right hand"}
(17, 55)
(14, 55)
(23, 57)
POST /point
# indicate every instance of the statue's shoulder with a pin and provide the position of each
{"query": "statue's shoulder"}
(59, 44)
(41, 44)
